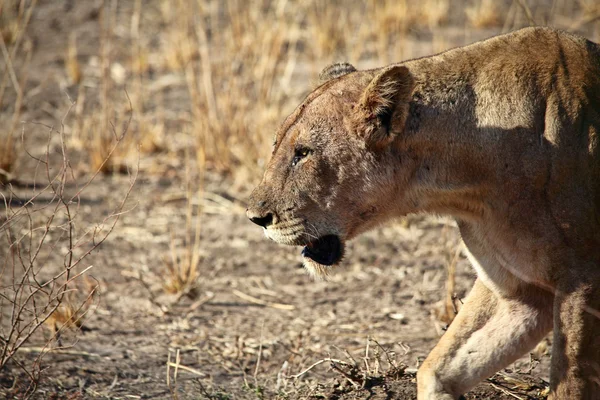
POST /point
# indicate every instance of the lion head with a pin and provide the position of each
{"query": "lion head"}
(334, 168)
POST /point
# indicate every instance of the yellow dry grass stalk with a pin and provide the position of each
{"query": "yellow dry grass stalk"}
(74, 308)
(151, 135)
(332, 37)
(149, 127)
(234, 77)
(392, 17)
(9, 29)
(239, 62)
(71, 61)
(15, 53)
(589, 8)
(7, 157)
(484, 14)
(107, 148)
(182, 269)
(101, 129)
(66, 316)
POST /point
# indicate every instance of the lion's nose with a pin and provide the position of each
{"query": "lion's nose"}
(263, 221)
(262, 218)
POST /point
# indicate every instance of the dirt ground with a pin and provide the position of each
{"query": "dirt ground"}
(388, 289)
(257, 327)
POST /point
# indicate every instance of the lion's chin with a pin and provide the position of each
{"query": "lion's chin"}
(320, 255)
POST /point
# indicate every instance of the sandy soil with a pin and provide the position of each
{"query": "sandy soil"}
(389, 289)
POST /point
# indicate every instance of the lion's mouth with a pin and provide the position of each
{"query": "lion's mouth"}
(326, 250)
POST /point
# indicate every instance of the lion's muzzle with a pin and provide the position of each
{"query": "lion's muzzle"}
(259, 211)
(260, 220)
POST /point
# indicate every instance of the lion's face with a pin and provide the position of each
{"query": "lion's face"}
(330, 172)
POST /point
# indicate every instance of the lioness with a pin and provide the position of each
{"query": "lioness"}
(504, 135)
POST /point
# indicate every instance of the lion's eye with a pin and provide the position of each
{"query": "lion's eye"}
(299, 154)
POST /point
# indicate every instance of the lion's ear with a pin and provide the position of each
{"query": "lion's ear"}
(335, 71)
(384, 105)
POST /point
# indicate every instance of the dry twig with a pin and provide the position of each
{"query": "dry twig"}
(280, 306)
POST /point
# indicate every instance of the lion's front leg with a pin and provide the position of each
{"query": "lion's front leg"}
(575, 371)
(488, 333)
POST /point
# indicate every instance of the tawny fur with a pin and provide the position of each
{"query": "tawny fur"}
(504, 136)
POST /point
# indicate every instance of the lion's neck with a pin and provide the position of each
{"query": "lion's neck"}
(451, 166)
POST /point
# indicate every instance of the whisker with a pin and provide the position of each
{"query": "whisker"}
(313, 228)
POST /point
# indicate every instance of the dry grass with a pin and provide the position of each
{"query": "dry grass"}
(182, 269)
(71, 61)
(16, 51)
(101, 146)
(102, 118)
(233, 81)
(7, 159)
(236, 62)
(484, 14)
(74, 308)
(238, 73)
(46, 245)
